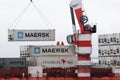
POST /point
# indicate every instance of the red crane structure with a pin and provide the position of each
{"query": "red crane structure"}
(81, 39)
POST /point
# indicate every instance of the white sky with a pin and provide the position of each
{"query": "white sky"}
(103, 12)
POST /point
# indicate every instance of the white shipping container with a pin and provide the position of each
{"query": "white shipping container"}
(116, 38)
(108, 39)
(31, 35)
(50, 50)
(57, 61)
(35, 71)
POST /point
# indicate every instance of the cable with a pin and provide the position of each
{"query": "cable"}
(43, 16)
(15, 22)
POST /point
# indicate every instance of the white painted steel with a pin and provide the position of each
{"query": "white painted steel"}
(83, 74)
(84, 62)
(111, 39)
(35, 71)
(57, 61)
(111, 50)
(84, 50)
(49, 50)
(84, 37)
(76, 4)
(31, 35)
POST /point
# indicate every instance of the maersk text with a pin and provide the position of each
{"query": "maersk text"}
(36, 34)
(55, 50)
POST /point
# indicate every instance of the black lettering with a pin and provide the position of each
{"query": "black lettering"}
(49, 50)
(43, 34)
(47, 34)
(62, 50)
(39, 34)
(35, 35)
(66, 50)
(32, 35)
(44, 50)
(27, 34)
(57, 50)
(53, 50)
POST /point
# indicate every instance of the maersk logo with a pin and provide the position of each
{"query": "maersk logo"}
(20, 35)
(36, 50)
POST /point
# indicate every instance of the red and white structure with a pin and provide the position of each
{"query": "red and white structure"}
(82, 40)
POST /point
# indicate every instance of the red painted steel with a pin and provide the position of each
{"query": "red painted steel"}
(79, 14)
(31, 78)
(59, 78)
(23, 79)
(14, 78)
(64, 78)
(2, 78)
(75, 39)
(84, 78)
(101, 72)
(84, 57)
(84, 43)
(84, 70)
(42, 79)
(70, 78)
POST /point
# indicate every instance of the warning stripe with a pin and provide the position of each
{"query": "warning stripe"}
(85, 62)
(84, 37)
(84, 57)
(84, 43)
(83, 74)
(84, 50)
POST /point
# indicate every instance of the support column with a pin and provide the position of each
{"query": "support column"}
(84, 49)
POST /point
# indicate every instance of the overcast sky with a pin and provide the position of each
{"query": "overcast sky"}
(103, 12)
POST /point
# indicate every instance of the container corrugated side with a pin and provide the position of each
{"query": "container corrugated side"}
(31, 35)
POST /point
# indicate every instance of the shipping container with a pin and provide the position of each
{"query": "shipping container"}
(109, 49)
(108, 39)
(57, 61)
(34, 50)
(31, 35)
(12, 62)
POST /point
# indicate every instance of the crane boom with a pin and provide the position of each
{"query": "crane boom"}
(81, 39)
